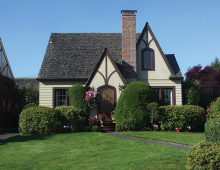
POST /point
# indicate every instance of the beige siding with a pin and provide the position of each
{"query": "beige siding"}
(46, 90)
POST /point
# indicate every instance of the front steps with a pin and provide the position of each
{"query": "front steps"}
(108, 126)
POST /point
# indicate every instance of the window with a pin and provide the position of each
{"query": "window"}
(61, 97)
(164, 95)
(147, 59)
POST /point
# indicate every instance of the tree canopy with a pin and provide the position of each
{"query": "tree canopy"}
(216, 64)
(209, 80)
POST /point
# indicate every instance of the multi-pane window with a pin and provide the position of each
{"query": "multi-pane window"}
(164, 96)
(61, 97)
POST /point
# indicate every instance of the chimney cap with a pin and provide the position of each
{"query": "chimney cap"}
(128, 12)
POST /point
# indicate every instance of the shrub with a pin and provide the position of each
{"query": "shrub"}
(214, 109)
(77, 93)
(87, 129)
(181, 117)
(68, 112)
(212, 130)
(153, 110)
(78, 123)
(204, 155)
(30, 105)
(95, 128)
(193, 96)
(40, 119)
(132, 104)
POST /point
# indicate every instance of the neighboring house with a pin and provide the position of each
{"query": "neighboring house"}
(7, 84)
(105, 61)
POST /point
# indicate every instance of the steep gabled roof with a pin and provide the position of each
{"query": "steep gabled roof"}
(74, 55)
(169, 59)
(5, 69)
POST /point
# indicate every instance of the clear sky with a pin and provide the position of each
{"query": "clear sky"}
(190, 29)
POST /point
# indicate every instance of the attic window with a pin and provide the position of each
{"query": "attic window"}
(147, 59)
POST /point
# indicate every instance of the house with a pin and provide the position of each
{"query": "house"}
(105, 61)
(7, 84)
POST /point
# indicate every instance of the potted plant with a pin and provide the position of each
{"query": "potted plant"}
(101, 118)
(94, 121)
(92, 98)
(112, 115)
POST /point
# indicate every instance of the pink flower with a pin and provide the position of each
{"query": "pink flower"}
(207, 111)
(206, 115)
(88, 119)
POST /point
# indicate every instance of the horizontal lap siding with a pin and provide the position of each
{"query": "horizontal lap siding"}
(46, 90)
(163, 82)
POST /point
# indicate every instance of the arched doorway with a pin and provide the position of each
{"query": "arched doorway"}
(107, 100)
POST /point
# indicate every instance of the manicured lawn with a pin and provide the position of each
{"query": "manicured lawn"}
(185, 138)
(87, 151)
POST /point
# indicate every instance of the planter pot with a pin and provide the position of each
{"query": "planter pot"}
(102, 122)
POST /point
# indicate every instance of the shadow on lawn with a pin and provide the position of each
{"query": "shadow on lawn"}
(26, 138)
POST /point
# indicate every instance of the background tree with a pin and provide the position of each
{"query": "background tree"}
(32, 94)
(216, 64)
(209, 80)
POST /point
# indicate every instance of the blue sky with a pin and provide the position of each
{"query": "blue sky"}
(190, 29)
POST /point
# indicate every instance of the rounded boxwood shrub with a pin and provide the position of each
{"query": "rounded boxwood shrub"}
(153, 110)
(38, 120)
(132, 105)
(181, 117)
(212, 130)
(204, 155)
(214, 109)
(30, 105)
(95, 128)
(76, 94)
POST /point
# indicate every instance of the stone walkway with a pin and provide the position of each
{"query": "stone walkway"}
(4, 136)
(150, 141)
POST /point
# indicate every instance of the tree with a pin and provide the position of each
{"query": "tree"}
(32, 94)
(216, 64)
(209, 80)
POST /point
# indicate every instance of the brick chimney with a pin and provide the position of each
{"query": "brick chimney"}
(129, 44)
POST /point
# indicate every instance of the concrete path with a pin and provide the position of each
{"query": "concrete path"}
(4, 136)
(150, 141)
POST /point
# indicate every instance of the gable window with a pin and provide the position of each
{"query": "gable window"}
(147, 59)
(164, 95)
(61, 97)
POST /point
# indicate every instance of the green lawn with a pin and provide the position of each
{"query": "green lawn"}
(92, 150)
(185, 138)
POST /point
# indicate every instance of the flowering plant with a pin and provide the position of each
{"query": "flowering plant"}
(94, 121)
(112, 113)
(176, 130)
(188, 128)
(155, 126)
(101, 117)
(53, 130)
(92, 98)
(32, 131)
(66, 127)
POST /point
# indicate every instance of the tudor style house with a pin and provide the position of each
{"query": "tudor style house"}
(105, 61)
(7, 84)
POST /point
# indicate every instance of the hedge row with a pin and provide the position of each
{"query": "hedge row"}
(38, 120)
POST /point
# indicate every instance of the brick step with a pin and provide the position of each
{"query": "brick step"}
(109, 126)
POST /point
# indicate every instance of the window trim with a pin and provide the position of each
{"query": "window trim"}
(54, 95)
(152, 59)
(166, 87)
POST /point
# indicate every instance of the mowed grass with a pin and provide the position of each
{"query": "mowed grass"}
(185, 138)
(92, 150)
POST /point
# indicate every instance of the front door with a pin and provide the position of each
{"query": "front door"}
(107, 101)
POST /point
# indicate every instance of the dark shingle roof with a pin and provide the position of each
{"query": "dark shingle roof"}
(174, 65)
(75, 55)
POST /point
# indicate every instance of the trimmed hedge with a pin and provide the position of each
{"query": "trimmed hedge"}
(204, 155)
(40, 120)
(180, 117)
(132, 105)
(68, 112)
(95, 128)
(30, 105)
(212, 130)
(214, 110)
(76, 94)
